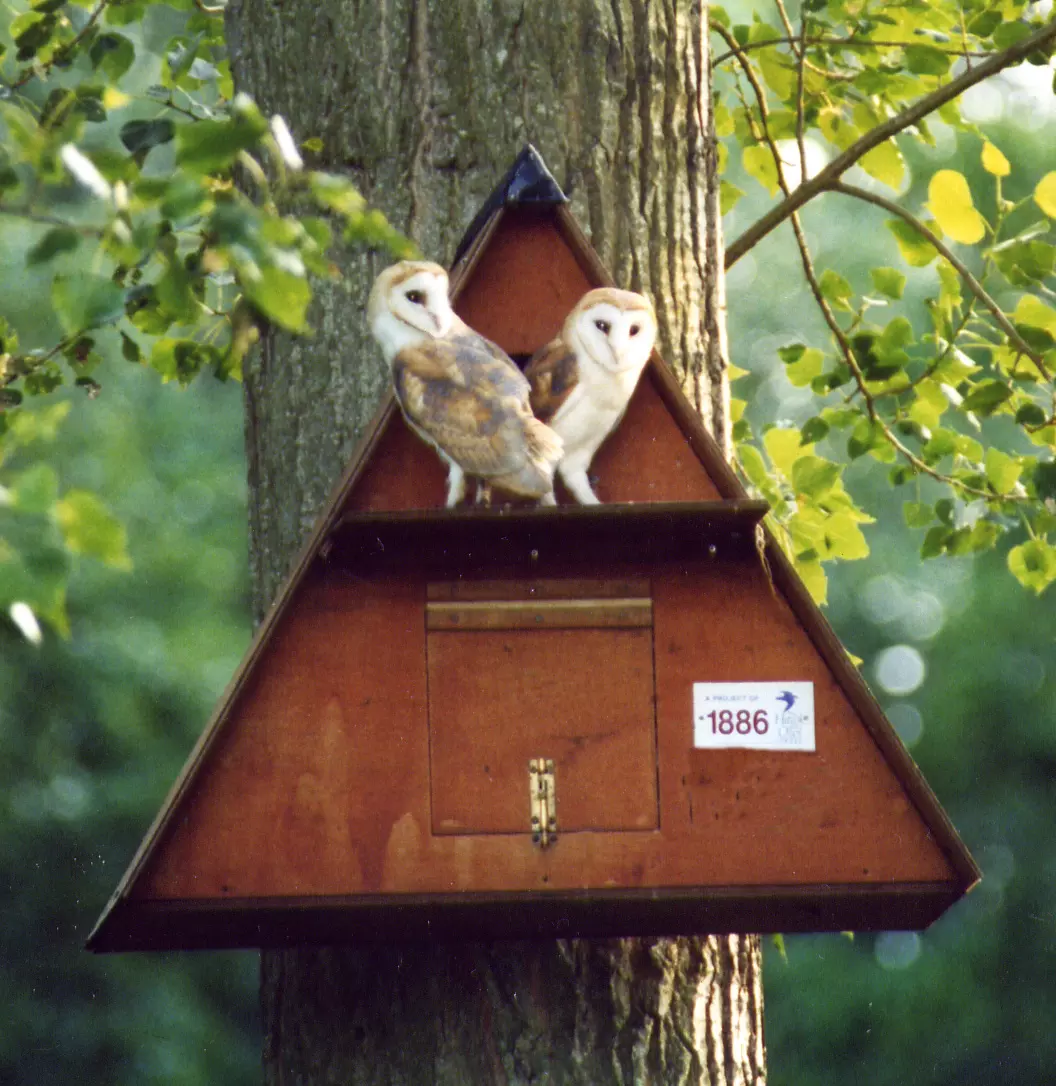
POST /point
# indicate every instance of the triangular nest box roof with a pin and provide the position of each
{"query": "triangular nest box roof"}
(365, 774)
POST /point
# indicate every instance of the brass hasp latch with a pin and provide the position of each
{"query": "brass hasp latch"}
(542, 798)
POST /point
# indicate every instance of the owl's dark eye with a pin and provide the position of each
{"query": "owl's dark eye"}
(415, 297)
(634, 330)
(603, 327)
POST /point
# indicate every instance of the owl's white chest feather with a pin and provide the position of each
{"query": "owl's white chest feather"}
(394, 335)
(594, 407)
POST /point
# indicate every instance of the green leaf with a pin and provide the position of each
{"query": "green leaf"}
(982, 537)
(917, 514)
(35, 490)
(916, 250)
(1045, 194)
(754, 468)
(1025, 263)
(113, 55)
(836, 290)
(985, 23)
(58, 240)
(865, 437)
(845, 538)
(926, 60)
(1002, 471)
(1044, 479)
(813, 430)
(184, 197)
(814, 476)
(802, 364)
(1029, 414)
(887, 348)
(1033, 564)
(86, 301)
(812, 574)
(1033, 311)
(950, 201)
(1009, 33)
(784, 449)
(280, 295)
(336, 193)
(141, 136)
(885, 163)
(212, 146)
(935, 541)
(174, 292)
(729, 194)
(759, 163)
(90, 529)
(888, 281)
(993, 161)
(130, 349)
(987, 397)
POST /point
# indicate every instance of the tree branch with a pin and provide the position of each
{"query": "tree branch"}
(958, 265)
(764, 113)
(826, 178)
(846, 43)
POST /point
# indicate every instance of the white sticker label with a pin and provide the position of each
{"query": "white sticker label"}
(758, 716)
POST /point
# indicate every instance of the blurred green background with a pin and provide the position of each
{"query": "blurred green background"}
(93, 730)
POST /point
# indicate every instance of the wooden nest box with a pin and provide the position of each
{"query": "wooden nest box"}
(484, 723)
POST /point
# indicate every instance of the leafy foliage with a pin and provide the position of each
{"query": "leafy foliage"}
(118, 165)
(965, 399)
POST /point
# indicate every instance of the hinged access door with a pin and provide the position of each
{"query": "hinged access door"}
(561, 669)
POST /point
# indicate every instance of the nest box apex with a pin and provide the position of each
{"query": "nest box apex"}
(627, 719)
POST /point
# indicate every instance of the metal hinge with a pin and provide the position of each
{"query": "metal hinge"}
(542, 797)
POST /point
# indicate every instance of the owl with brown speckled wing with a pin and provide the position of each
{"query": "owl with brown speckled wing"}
(457, 390)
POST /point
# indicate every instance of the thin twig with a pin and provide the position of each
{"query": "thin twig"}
(845, 43)
(825, 178)
(958, 265)
(764, 115)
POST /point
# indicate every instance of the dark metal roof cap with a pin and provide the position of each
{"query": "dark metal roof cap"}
(527, 181)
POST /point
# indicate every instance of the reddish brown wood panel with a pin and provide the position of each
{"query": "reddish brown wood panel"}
(648, 458)
(836, 815)
(321, 783)
(322, 769)
(403, 473)
(524, 285)
(583, 698)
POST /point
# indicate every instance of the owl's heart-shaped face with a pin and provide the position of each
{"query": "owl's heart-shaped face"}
(617, 333)
(409, 303)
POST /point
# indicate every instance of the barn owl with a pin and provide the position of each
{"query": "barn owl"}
(458, 391)
(582, 381)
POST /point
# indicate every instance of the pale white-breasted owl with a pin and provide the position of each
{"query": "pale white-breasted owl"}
(458, 391)
(582, 381)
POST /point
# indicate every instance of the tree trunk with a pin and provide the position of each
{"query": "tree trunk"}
(425, 106)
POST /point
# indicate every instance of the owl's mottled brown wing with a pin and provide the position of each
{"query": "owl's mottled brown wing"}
(474, 341)
(468, 403)
(553, 374)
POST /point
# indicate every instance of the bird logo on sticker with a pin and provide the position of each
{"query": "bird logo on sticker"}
(790, 724)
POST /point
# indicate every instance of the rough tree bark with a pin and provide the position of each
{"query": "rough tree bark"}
(424, 106)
